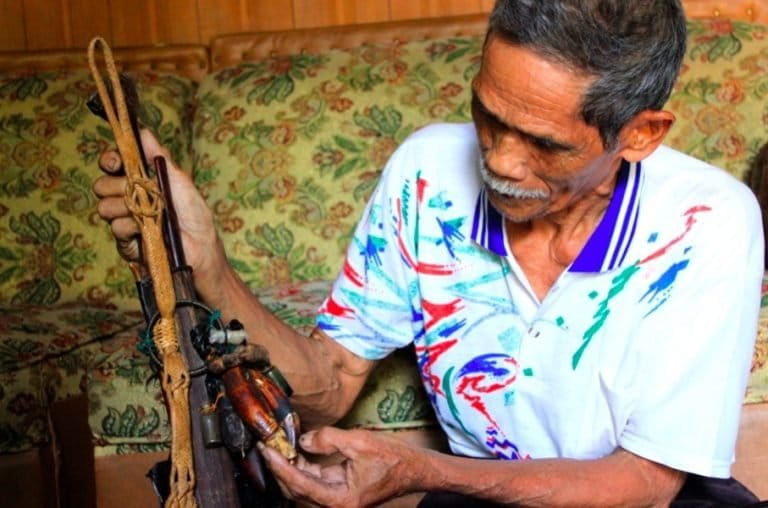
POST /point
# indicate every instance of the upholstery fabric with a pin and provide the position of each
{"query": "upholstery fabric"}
(286, 150)
(126, 414)
(720, 97)
(289, 149)
(757, 387)
(62, 284)
(53, 248)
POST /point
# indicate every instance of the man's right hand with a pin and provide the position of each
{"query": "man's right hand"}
(202, 248)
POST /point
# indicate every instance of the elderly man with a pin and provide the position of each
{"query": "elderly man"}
(565, 279)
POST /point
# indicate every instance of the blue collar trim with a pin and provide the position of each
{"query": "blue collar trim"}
(605, 250)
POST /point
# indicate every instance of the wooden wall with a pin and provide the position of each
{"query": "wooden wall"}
(57, 24)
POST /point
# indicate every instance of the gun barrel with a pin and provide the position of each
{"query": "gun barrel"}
(170, 219)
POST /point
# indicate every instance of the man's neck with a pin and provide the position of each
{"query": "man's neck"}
(572, 225)
(544, 247)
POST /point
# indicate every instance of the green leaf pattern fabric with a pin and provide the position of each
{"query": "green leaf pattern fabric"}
(720, 97)
(54, 248)
(62, 284)
(286, 151)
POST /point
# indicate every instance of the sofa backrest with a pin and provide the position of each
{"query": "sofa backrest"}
(720, 96)
(188, 61)
(293, 128)
(288, 148)
(288, 144)
(53, 247)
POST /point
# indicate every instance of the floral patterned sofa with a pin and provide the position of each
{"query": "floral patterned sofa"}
(285, 135)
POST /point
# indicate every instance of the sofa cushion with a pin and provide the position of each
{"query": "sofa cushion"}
(53, 248)
(720, 97)
(289, 149)
(43, 360)
(32, 333)
(126, 411)
(127, 415)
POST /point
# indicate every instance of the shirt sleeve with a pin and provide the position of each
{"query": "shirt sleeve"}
(371, 309)
(696, 349)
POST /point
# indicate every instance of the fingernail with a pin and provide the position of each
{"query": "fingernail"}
(113, 163)
(260, 445)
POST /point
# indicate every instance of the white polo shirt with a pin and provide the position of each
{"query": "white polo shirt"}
(643, 343)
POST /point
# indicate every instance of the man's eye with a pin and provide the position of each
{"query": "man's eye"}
(546, 145)
(495, 123)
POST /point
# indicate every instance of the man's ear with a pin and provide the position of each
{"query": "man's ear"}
(644, 133)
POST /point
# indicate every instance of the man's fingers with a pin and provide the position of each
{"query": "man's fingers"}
(129, 249)
(285, 490)
(300, 484)
(106, 186)
(334, 474)
(124, 228)
(112, 208)
(152, 147)
(126, 233)
(110, 162)
(325, 441)
(308, 467)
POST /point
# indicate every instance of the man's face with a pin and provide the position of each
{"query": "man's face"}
(539, 155)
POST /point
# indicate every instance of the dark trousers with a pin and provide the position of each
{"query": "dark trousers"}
(697, 492)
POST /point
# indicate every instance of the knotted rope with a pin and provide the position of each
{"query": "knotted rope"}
(145, 202)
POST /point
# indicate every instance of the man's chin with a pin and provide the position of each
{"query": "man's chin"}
(517, 210)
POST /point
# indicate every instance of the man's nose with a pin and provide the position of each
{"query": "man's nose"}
(508, 158)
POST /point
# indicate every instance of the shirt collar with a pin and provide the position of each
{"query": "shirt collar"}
(606, 248)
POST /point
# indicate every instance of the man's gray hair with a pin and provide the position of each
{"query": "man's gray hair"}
(633, 49)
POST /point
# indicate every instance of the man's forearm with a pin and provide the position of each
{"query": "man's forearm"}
(620, 479)
(325, 377)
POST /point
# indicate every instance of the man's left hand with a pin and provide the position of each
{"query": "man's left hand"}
(374, 468)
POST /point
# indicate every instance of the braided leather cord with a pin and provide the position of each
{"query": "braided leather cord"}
(145, 202)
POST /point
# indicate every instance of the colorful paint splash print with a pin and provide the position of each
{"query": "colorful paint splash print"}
(501, 447)
(604, 310)
(430, 265)
(485, 374)
(659, 290)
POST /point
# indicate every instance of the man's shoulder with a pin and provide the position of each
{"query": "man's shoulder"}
(676, 179)
(709, 206)
(454, 133)
(436, 152)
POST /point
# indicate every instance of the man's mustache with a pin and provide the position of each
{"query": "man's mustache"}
(505, 188)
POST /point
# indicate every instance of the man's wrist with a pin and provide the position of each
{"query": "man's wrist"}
(436, 473)
(215, 285)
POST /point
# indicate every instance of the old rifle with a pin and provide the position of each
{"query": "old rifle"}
(220, 397)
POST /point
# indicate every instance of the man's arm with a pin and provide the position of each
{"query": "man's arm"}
(379, 467)
(325, 376)
(620, 479)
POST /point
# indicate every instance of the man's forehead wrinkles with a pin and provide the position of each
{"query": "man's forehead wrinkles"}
(513, 72)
